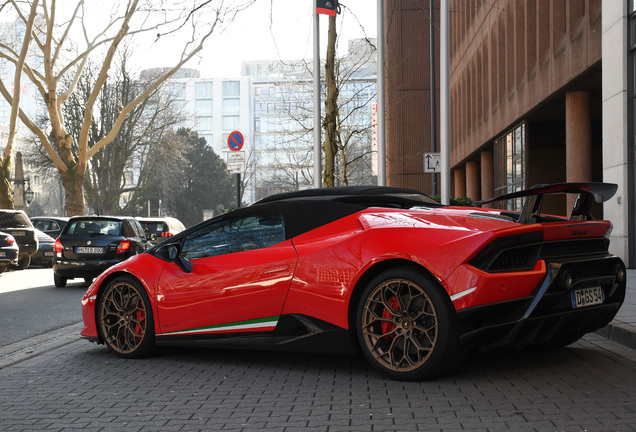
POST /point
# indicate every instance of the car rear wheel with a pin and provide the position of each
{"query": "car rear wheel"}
(60, 281)
(406, 326)
(125, 318)
(24, 262)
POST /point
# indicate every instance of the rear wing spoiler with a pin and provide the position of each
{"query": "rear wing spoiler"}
(581, 210)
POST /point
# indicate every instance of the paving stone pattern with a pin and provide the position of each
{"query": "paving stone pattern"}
(82, 386)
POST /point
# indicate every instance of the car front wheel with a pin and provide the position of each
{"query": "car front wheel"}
(406, 326)
(125, 318)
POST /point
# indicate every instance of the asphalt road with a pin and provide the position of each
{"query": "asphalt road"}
(31, 305)
(77, 385)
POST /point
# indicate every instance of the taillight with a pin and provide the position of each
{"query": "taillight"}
(58, 246)
(123, 246)
(166, 234)
(10, 240)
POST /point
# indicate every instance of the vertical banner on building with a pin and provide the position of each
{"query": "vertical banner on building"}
(326, 7)
(374, 138)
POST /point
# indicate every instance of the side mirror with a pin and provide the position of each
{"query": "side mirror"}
(175, 256)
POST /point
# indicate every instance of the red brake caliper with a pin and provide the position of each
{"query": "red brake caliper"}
(140, 315)
(388, 327)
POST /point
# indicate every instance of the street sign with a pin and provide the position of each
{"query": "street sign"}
(432, 163)
(236, 156)
(235, 162)
(236, 167)
(235, 141)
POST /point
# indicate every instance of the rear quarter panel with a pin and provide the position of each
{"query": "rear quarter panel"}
(332, 259)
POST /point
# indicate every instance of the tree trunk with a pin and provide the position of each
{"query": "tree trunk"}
(72, 181)
(6, 197)
(331, 106)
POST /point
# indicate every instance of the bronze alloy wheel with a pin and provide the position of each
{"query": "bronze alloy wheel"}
(125, 318)
(400, 325)
(406, 325)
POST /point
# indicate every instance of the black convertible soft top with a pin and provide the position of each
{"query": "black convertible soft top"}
(386, 194)
(308, 209)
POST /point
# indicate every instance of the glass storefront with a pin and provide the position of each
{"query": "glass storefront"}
(510, 164)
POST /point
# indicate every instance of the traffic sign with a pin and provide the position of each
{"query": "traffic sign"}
(235, 167)
(235, 156)
(432, 162)
(235, 141)
(235, 162)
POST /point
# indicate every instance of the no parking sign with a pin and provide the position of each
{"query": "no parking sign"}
(235, 141)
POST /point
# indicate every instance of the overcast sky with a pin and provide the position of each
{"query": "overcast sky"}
(287, 35)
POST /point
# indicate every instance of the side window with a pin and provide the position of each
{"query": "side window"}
(234, 235)
(139, 231)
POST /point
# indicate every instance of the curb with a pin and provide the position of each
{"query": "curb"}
(619, 332)
(36, 345)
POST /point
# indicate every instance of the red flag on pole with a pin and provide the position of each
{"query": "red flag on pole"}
(326, 7)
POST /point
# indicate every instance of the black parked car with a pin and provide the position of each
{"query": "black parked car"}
(44, 255)
(51, 225)
(89, 245)
(16, 223)
(8, 251)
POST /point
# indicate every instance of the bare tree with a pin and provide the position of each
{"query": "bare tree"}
(119, 171)
(330, 123)
(64, 57)
(6, 199)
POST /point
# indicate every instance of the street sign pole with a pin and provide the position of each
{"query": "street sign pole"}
(238, 190)
(235, 143)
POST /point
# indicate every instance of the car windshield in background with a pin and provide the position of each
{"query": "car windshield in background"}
(14, 220)
(94, 227)
(153, 227)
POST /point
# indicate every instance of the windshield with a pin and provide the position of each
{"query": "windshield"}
(94, 226)
(14, 220)
(152, 227)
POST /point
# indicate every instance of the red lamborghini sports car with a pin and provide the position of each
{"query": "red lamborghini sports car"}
(412, 284)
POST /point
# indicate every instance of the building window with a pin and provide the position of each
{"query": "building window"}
(510, 164)
(178, 90)
(204, 90)
(231, 89)
(231, 122)
(203, 106)
(231, 106)
(205, 124)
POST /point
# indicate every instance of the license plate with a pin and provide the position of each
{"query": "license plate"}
(587, 297)
(89, 250)
(48, 254)
(3, 254)
(18, 234)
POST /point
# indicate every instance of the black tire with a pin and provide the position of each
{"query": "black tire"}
(60, 281)
(24, 262)
(2, 269)
(125, 319)
(406, 326)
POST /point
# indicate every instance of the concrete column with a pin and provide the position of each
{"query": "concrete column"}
(487, 176)
(459, 186)
(473, 181)
(616, 143)
(578, 139)
(578, 136)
